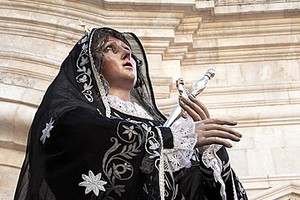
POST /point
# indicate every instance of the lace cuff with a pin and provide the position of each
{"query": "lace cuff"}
(211, 160)
(184, 138)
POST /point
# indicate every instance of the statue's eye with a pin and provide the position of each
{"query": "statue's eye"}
(108, 48)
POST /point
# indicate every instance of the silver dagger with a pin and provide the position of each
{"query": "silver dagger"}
(197, 89)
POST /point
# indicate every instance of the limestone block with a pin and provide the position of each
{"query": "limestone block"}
(10, 158)
(286, 160)
(8, 179)
(22, 94)
(247, 141)
(269, 137)
(274, 187)
(257, 7)
(25, 82)
(15, 125)
(254, 46)
(164, 68)
(205, 4)
(10, 163)
(37, 47)
(183, 38)
(260, 162)
(239, 162)
(291, 135)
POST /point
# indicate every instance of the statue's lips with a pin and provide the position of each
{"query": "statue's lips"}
(128, 65)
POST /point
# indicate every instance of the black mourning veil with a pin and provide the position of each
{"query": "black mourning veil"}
(77, 85)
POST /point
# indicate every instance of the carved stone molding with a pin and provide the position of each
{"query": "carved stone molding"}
(253, 44)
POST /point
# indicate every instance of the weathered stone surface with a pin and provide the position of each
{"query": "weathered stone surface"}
(254, 46)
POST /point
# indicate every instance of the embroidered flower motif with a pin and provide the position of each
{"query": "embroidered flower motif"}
(83, 79)
(46, 131)
(121, 169)
(154, 144)
(129, 131)
(84, 61)
(154, 147)
(92, 183)
(84, 76)
(146, 127)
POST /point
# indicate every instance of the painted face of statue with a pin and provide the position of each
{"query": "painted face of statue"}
(119, 67)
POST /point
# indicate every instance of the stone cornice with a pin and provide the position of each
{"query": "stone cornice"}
(269, 39)
(250, 7)
(249, 90)
(254, 46)
(180, 36)
(154, 28)
(276, 186)
(265, 179)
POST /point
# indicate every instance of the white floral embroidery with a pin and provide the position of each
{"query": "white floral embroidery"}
(121, 169)
(92, 183)
(129, 131)
(84, 76)
(46, 130)
(154, 145)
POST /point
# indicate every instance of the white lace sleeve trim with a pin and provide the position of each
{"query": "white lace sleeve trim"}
(185, 139)
(211, 160)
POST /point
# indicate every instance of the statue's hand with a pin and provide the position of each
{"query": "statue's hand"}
(215, 131)
(194, 108)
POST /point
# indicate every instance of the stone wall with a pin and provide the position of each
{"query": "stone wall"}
(253, 45)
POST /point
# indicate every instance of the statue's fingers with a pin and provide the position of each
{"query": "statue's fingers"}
(234, 136)
(201, 105)
(194, 115)
(195, 107)
(216, 140)
(220, 121)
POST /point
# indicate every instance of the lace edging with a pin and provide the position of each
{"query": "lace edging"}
(211, 160)
(184, 138)
(128, 107)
